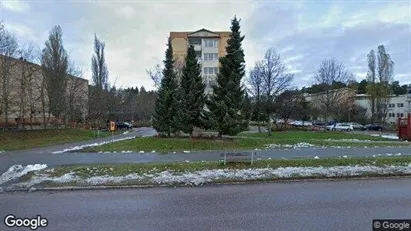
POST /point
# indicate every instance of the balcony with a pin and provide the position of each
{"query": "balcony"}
(197, 47)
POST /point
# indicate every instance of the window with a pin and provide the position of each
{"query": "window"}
(400, 105)
(393, 105)
(398, 114)
(402, 115)
(210, 70)
(210, 56)
(210, 42)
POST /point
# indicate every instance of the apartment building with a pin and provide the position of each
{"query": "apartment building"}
(26, 102)
(397, 107)
(209, 47)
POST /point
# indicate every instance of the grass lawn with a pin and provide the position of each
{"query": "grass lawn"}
(246, 141)
(15, 140)
(310, 135)
(124, 169)
(197, 173)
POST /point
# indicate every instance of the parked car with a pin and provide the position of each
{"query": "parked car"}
(357, 126)
(340, 127)
(373, 127)
(124, 125)
(301, 123)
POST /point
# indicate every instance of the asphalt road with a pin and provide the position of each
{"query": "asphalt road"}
(44, 156)
(339, 205)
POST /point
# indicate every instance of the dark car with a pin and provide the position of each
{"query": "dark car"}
(124, 125)
(373, 127)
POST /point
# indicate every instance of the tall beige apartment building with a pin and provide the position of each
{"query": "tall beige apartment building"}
(209, 46)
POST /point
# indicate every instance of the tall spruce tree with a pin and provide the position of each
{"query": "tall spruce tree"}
(166, 109)
(226, 105)
(191, 95)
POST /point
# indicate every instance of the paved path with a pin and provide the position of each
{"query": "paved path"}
(44, 156)
(339, 205)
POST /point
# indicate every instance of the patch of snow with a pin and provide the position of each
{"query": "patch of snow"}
(398, 154)
(174, 152)
(81, 147)
(126, 132)
(186, 151)
(345, 156)
(204, 176)
(373, 155)
(126, 151)
(154, 151)
(187, 161)
(390, 137)
(316, 157)
(297, 145)
(389, 154)
(17, 171)
(141, 152)
(1, 151)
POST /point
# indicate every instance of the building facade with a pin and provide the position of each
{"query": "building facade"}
(209, 47)
(24, 96)
(397, 107)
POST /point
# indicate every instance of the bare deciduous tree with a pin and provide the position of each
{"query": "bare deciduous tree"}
(255, 81)
(289, 104)
(76, 104)
(275, 79)
(379, 77)
(329, 72)
(54, 61)
(8, 50)
(98, 96)
(25, 82)
(156, 74)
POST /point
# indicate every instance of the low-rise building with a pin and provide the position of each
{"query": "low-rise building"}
(397, 106)
(24, 97)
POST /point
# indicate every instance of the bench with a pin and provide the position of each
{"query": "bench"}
(243, 157)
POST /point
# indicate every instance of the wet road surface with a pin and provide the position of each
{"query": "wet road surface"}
(332, 205)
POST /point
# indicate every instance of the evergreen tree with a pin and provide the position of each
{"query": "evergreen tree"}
(226, 104)
(165, 115)
(192, 97)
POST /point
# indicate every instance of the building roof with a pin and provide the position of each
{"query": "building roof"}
(35, 65)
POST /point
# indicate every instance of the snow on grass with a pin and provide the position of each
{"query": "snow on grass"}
(126, 151)
(206, 176)
(316, 157)
(392, 137)
(141, 152)
(297, 145)
(1, 151)
(17, 171)
(186, 151)
(126, 132)
(80, 147)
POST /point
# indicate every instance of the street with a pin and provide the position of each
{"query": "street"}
(332, 205)
(44, 156)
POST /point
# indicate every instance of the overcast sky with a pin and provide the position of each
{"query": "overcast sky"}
(303, 32)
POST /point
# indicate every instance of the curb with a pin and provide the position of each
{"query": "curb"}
(112, 187)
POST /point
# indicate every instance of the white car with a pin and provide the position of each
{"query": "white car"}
(340, 127)
(301, 123)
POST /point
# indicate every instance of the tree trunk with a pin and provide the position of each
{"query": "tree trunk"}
(258, 121)
(220, 135)
(269, 126)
